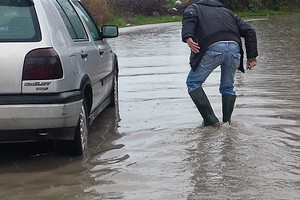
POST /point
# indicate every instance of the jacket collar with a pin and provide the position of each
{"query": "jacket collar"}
(213, 3)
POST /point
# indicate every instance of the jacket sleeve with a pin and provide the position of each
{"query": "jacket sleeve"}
(189, 23)
(249, 34)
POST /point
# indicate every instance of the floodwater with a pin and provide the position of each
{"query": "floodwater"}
(152, 146)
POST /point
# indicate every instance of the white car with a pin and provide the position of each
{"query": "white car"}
(57, 72)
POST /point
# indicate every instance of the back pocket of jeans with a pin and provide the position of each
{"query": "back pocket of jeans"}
(211, 59)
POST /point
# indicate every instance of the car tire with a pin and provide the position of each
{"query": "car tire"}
(114, 92)
(78, 145)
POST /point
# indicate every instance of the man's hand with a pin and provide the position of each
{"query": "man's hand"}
(251, 63)
(194, 46)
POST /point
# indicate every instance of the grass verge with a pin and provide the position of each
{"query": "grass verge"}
(135, 20)
(264, 13)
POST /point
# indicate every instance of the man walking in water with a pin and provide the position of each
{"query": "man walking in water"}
(213, 34)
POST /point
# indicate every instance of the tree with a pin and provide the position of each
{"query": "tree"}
(100, 10)
(254, 5)
(144, 7)
(280, 4)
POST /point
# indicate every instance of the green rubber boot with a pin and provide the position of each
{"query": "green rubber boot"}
(202, 103)
(227, 106)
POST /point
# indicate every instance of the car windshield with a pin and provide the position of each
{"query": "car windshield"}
(18, 21)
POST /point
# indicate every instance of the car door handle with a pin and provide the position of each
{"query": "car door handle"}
(84, 55)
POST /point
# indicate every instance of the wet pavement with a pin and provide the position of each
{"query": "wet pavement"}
(152, 146)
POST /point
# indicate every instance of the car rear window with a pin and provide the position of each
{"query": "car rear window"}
(18, 21)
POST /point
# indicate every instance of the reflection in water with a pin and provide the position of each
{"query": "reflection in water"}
(236, 163)
(101, 141)
(33, 171)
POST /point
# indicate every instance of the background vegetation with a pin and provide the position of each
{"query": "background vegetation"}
(125, 12)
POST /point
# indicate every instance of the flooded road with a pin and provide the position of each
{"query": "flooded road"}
(152, 146)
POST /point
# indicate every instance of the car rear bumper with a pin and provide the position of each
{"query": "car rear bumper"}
(29, 117)
(32, 135)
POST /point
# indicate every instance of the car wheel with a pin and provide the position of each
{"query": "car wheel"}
(78, 145)
(114, 92)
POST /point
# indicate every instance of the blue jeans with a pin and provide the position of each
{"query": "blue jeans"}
(224, 54)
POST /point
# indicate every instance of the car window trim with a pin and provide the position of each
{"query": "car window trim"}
(84, 28)
(91, 17)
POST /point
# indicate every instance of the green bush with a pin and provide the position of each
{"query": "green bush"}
(144, 7)
(254, 5)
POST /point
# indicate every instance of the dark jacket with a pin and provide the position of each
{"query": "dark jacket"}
(208, 22)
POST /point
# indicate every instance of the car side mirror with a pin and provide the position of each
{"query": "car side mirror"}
(109, 31)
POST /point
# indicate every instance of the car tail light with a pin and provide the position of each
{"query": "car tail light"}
(42, 64)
